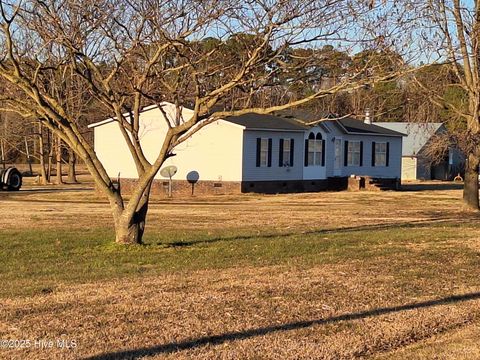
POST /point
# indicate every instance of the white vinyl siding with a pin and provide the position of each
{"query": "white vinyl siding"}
(251, 172)
(215, 152)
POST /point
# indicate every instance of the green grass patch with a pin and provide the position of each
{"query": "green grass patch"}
(36, 261)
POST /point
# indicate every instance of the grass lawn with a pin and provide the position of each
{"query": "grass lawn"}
(326, 275)
(36, 261)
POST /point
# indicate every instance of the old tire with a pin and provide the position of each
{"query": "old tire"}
(11, 179)
(2, 185)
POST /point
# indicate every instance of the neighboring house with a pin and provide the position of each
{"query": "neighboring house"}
(256, 153)
(416, 164)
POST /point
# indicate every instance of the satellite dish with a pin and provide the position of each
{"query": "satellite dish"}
(193, 176)
(168, 171)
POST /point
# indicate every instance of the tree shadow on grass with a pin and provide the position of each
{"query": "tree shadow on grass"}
(246, 334)
(373, 227)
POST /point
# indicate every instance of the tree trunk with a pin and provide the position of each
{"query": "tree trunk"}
(50, 154)
(2, 148)
(129, 229)
(59, 160)
(29, 159)
(470, 189)
(72, 176)
(41, 153)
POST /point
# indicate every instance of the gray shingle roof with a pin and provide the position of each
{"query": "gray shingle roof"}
(267, 122)
(359, 127)
(417, 137)
(347, 124)
(304, 115)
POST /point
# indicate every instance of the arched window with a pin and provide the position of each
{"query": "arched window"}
(315, 149)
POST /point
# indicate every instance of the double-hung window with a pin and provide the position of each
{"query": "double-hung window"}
(264, 152)
(286, 151)
(380, 153)
(354, 155)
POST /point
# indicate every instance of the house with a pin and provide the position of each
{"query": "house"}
(256, 153)
(416, 162)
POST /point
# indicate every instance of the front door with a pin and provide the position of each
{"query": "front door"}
(338, 157)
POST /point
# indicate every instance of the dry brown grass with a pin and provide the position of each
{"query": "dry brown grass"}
(350, 309)
(256, 313)
(461, 344)
(75, 206)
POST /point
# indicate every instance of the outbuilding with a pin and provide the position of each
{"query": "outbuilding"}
(416, 162)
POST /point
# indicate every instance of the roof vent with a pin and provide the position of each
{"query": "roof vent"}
(368, 119)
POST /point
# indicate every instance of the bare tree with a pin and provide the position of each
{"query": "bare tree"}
(450, 33)
(132, 54)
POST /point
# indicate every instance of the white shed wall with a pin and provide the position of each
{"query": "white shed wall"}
(409, 168)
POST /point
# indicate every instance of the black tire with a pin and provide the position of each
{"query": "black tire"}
(2, 185)
(11, 178)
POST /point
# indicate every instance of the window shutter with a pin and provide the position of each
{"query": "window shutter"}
(387, 155)
(259, 144)
(345, 162)
(361, 153)
(373, 153)
(280, 154)
(323, 152)
(269, 152)
(306, 152)
(292, 151)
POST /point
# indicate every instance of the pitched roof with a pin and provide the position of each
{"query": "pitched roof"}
(417, 137)
(304, 115)
(347, 124)
(255, 121)
(354, 126)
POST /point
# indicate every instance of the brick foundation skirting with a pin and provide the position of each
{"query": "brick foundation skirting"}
(182, 188)
(287, 186)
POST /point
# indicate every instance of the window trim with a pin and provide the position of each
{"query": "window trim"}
(350, 152)
(315, 150)
(267, 161)
(285, 158)
(377, 153)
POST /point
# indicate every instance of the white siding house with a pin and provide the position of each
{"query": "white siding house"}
(351, 147)
(220, 144)
(253, 152)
